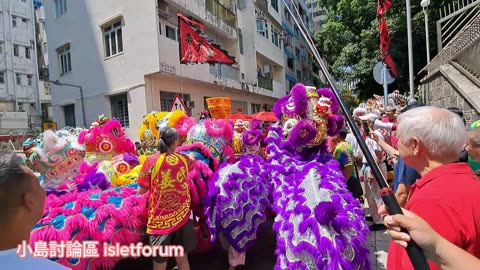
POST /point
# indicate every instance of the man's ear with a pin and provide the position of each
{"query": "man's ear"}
(29, 201)
(416, 146)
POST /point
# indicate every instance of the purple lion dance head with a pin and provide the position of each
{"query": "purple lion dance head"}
(319, 224)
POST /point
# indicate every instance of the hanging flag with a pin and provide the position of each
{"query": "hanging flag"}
(195, 47)
(383, 6)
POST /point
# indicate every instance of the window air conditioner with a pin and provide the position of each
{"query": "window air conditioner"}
(162, 9)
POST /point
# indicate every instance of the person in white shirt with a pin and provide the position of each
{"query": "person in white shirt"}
(372, 189)
(22, 202)
(357, 152)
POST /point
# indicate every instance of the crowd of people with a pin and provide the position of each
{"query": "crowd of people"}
(434, 156)
(435, 159)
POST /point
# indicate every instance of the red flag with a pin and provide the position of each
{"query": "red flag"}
(195, 49)
(384, 5)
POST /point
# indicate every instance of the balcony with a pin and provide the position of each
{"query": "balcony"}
(223, 13)
(224, 71)
(265, 82)
(213, 12)
(262, 5)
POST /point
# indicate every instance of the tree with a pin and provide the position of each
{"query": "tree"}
(350, 41)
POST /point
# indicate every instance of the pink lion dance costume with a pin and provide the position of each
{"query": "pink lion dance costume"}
(319, 224)
(93, 211)
(209, 142)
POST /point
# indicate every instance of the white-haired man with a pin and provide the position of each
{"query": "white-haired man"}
(446, 195)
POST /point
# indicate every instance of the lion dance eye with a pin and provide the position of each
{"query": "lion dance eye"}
(290, 105)
(115, 132)
(289, 125)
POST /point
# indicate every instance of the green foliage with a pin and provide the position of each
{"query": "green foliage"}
(351, 39)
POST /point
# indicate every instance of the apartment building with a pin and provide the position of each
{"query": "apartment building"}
(317, 13)
(42, 62)
(125, 57)
(20, 100)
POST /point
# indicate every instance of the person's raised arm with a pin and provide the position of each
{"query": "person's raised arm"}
(385, 146)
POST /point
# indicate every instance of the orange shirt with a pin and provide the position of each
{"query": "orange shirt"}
(447, 198)
(165, 175)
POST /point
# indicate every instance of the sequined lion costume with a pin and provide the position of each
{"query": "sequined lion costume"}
(209, 141)
(319, 224)
(57, 156)
(154, 121)
(107, 212)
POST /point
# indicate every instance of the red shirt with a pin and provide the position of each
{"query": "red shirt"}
(447, 198)
(165, 175)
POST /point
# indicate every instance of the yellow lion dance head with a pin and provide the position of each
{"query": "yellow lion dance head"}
(154, 121)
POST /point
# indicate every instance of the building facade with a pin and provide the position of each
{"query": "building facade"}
(42, 62)
(125, 57)
(19, 87)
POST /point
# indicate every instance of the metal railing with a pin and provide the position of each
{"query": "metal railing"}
(225, 71)
(222, 12)
(265, 82)
(453, 18)
(460, 45)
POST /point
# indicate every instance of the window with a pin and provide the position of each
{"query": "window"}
(299, 75)
(113, 39)
(262, 27)
(276, 38)
(240, 41)
(171, 32)
(47, 89)
(256, 108)
(287, 14)
(14, 21)
(120, 109)
(291, 84)
(18, 77)
(2, 77)
(291, 63)
(69, 113)
(297, 52)
(24, 20)
(27, 52)
(29, 80)
(274, 4)
(16, 50)
(166, 100)
(60, 7)
(1, 47)
(65, 60)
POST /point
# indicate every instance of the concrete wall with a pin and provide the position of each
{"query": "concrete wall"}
(198, 91)
(449, 89)
(100, 77)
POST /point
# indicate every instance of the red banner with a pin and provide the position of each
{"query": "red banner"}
(383, 6)
(195, 49)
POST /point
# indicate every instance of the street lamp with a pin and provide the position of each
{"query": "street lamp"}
(81, 98)
(425, 4)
